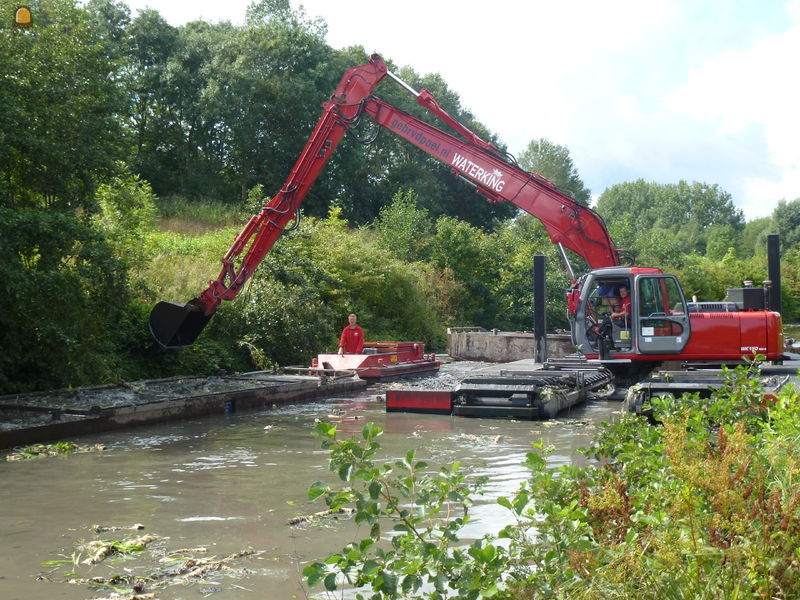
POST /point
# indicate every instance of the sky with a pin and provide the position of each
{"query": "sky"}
(660, 90)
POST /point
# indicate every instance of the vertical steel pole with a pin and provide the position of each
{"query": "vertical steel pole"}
(539, 305)
(774, 267)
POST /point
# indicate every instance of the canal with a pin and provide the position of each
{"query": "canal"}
(223, 485)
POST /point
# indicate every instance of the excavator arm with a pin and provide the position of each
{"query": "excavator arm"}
(478, 162)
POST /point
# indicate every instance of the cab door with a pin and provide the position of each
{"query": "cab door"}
(662, 316)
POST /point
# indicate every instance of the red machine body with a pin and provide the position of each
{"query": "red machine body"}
(676, 334)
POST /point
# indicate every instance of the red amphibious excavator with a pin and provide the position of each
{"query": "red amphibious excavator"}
(654, 324)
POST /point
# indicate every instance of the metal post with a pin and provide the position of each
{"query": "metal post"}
(539, 305)
(774, 267)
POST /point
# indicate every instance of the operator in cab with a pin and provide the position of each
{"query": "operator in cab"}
(352, 338)
(623, 310)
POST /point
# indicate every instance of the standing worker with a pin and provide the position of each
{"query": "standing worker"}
(352, 340)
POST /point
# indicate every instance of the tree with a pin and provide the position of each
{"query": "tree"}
(267, 84)
(517, 243)
(554, 162)
(721, 239)
(63, 290)
(754, 236)
(786, 221)
(467, 252)
(403, 228)
(151, 42)
(684, 212)
(60, 100)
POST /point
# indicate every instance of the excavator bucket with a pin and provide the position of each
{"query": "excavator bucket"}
(174, 325)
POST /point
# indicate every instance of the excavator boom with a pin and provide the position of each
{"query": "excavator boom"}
(476, 161)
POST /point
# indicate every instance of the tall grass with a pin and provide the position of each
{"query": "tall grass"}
(182, 263)
(196, 217)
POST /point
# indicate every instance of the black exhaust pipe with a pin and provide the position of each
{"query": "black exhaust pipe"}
(174, 325)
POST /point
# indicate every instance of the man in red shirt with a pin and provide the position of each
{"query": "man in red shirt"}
(352, 339)
(623, 310)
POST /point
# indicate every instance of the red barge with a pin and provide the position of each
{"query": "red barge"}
(380, 361)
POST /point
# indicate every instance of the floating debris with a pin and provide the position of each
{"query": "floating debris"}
(57, 449)
(200, 567)
(124, 596)
(176, 566)
(112, 528)
(481, 439)
(101, 549)
(563, 422)
(319, 515)
(201, 549)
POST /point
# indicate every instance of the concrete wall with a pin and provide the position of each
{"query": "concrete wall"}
(476, 343)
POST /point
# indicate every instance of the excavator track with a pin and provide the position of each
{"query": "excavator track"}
(540, 393)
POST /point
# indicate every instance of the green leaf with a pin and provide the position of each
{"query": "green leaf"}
(370, 566)
(345, 471)
(374, 490)
(314, 573)
(534, 461)
(317, 489)
(325, 430)
(371, 431)
(330, 582)
(389, 582)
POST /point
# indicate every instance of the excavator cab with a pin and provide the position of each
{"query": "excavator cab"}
(663, 315)
(624, 311)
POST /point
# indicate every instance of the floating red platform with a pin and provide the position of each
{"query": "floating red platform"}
(419, 401)
(381, 361)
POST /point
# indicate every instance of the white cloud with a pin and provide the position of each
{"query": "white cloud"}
(753, 87)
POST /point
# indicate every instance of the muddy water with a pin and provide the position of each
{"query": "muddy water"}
(230, 484)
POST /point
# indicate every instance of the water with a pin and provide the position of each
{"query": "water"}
(231, 483)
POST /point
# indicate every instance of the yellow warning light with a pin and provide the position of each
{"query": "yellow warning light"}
(22, 17)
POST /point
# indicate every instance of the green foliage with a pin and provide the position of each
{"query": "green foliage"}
(63, 288)
(790, 282)
(127, 213)
(754, 236)
(426, 511)
(786, 222)
(394, 300)
(700, 501)
(682, 215)
(517, 243)
(39, 450)
(554, 162)
(60, 103)
(709, 279)
(403, 229)
(63, 293)
(289, 323)
(466, 251)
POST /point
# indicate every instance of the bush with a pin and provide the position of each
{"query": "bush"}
(702, 501)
